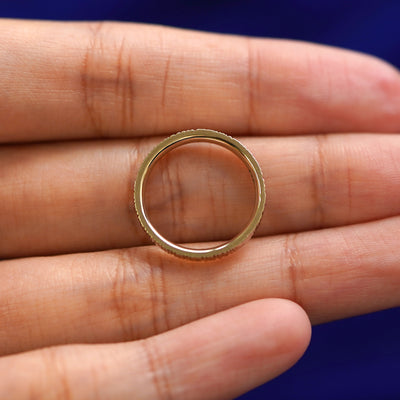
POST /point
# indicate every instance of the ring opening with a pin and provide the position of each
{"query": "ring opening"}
(237, 161)
(199, 193)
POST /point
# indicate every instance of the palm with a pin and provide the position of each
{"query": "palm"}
(328, 239)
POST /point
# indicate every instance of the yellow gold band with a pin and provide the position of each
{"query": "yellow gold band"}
(200, 135)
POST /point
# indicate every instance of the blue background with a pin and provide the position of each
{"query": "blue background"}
(353, 359)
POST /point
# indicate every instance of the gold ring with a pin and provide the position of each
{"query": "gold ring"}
(200, 135)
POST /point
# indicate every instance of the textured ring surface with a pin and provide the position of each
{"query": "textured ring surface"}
(179, 139)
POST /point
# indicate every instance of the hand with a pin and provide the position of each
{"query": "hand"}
(79, 106)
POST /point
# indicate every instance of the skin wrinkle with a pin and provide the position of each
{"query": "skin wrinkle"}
(87, 82)
(159, 289)
(353, 255)
(181, 203)
(32, 392)
(125, 85)
(84, 89)
(223, 187)
(134, 295)
(131, 90)
(318, 180)
(55, 368)
(251, 87)
(155, 264)
(157, 369)
(135, 158)
(349, 189)
(173, 191)
(130, 294)
(212, 203)
(95, 372)
(121, 285)
(164, 53)
(165, 81)
(120, 86)
(164, 298)
(293, 265)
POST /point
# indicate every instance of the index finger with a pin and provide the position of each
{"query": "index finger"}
(81, 80)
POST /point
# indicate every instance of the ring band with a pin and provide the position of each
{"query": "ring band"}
(200, 135)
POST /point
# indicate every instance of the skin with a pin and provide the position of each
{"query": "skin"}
(89, 309)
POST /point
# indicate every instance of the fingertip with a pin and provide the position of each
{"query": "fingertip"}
(384, 81)
(286, 328)
(294, 327)
(236, 350)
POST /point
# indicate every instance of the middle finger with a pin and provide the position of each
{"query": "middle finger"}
(73, 197)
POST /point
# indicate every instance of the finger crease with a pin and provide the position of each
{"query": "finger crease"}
(86, 80)
(158, 292)
(175, 205)
(55, 367)
(131, 91)
(349, 191)
(120, 86)
(135, 157)
(251, 85)
(120, 290)
(157, 370)
(165, 81)
(292, 261)
(318, 179)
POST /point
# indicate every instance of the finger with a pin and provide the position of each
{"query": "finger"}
(135, 293)
(219, 357)
(75, 197)
(79, 80)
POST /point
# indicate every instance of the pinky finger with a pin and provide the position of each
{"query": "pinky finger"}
(217, 357)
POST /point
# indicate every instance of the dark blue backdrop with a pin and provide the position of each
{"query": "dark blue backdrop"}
(353, 359)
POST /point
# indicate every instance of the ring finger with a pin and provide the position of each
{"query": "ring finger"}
(134, 293)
